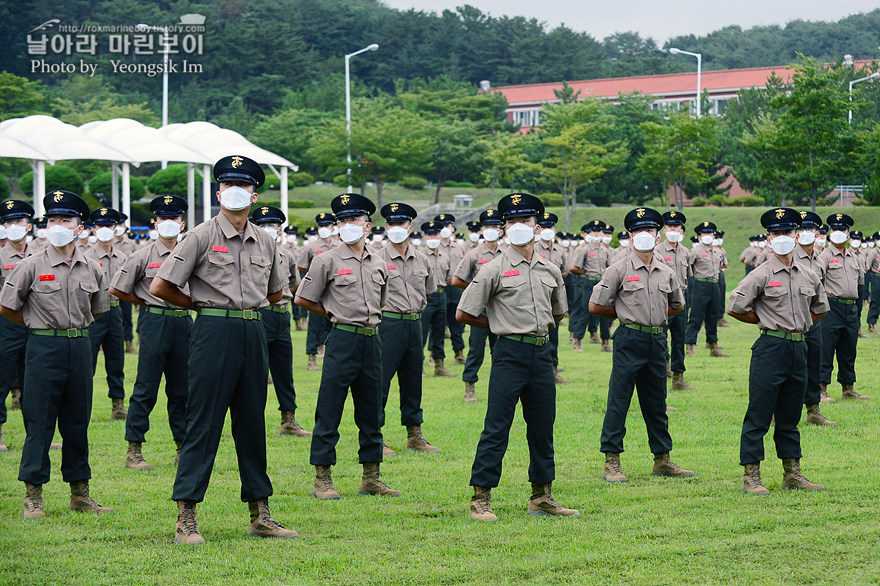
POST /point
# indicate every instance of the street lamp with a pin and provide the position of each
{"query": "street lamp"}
(348, 57)
(164, 30)
(872, 77)
(699, 57)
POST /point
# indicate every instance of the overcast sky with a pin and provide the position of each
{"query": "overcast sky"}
(660, 19)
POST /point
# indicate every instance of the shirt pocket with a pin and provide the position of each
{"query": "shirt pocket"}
(260, 269)
(85, 291)
(220, 270)
(664, 287)
(47, 288)
(632, 292)
(344, 280)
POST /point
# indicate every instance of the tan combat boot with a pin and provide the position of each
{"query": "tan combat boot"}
(815, 417)
(187, 529)
(16, 398)
(606, 345)
(723, 323)
(542, 503)
(849, 393)
(416, 442)
(792, 479)
(594, 338)
(321, 351)
(118, 410)
(752, 480)
(324, 489)
(577, 345)
(134, 459)
(459, 357)
(872, 328)
(862, 334)
(300, 326)
(129, 347)
(823, 394)
(3, 447)
(613, 471)
(668, 370)
(387, 451)
(679, 384)
(664, 466)
(670, 409)
(33, 501)
(371, 483)
(439, 369)
(179, 444)
(263, 525)
(470, 393)
(558, 377)
(81, 502)
(313, 363)
(715, 350)
(481, 505)
(289, 426)
(689, 350)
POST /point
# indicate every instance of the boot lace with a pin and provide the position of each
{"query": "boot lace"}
(482, 502)
(266, 519)
(188, 519)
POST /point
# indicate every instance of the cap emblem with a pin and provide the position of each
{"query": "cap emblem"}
(236, 162)
(640, 212)
(167, 200)
(59, 195)
(394, 207)
(344, 199)
(515, 199)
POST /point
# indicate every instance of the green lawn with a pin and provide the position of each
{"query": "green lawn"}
(650, 530)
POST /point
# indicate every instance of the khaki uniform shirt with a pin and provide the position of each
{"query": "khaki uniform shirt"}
(875, 262)
(410, 279)
(469, 246)
(782, 297)
(640, 294)
(53, 294)
(552, 252)
(704, 261)
(520, 297)
(39, 244)
(110, 262)
(455, 252)
(138, 270)
(290, 271)
(440, 266)
(351, 289)
(676, 258)
(10, 257)
(225, 270)
(592, 259)
(762, 255)
(748, 255)
(474, 260)
(810, 261)
(312, 249)
(619, 253)
(843, 273)
(126, 245)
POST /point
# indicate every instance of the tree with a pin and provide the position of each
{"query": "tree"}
(456, 151)
(506, 159)
(18, 96)
(86, 99)
(289, 134)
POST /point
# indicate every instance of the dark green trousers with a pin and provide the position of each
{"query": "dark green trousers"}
(351, 361)
(13, 343)
(638, 362)
(840, 336)
(577, 320)
(280, 348)
(676, 326)
(554, 346)
(316, 333)
(434, 323)
(722, 295)
(228, 370)
(106, 334)
(402, 355)
(476, 353)
(163, 349)
(812, 395)
(703, 306)
(570, 289)
(777, 381)
(127, 333)
(456, 328)
(874, 307)
(58, 379)
(520, 373)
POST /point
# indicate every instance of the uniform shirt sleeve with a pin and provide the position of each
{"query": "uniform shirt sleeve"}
(743, 297)
(278, 277)
(17, 285)
(605, 291)
(131, 272)
(676, 297)
(558, 298)
(819, 303)
(465, 270)
(476, 297)
(180, 264)
(315, 281)
(100, 301)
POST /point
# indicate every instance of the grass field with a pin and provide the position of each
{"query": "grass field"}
(650, 530)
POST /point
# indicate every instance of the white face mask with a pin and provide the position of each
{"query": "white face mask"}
(29, 239)
(120, 230)
(273, 232)
(446, 232)
(474, 236)
(92, 239)
(674, 236)
(837, 236)
(416, 241)
(235, 198)
(707, 239)
(716, 242)
(871, 244)
(351, 233)
(15, 232)
(820, 242)
(762, 244)
(547, 234)
(506, 240)
(59, 235)
(334, 231)
(606, 240)
(782, 244)
(806, 237)
(864, 245)
(42, 233)
(520, 234)
(433, 243)
(721, 242)
(154, 235)
(2, 232)
(491, 234)
(378, 238)
(565, 243)
(104, 234)
(397, 234)
(643, 241)
(291, 239)
(624, 243)
(324, 232)
(312, 238)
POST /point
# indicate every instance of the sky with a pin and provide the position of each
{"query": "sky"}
(659, 19)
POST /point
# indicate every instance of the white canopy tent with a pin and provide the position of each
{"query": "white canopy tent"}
(43, 139)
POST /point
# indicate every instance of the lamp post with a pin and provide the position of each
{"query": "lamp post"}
(872, 77)
(164, 30)
(348, 57)
(699, 57)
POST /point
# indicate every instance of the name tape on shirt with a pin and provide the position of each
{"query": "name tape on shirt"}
(705, 255)
(8, 267)
(633, 278)
(154, 265)
(391, 267)
(592, 254)
(47, 277)
(512, 273)
(319, 251)
(774, 284)
(482, 261)
(667, 258)
(343, 272)
(834, 260)
(221, 249)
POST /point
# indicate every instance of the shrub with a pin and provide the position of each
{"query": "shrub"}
(301, 203)
(171, 179)
(57, 177)
(412, 182)
(859, 201)
(699, 202)
(100, 187)
(720, 200)
(341, 180)
(300, 179)
(4, 187)
(749, 201)
(465, 184)
(552, 199)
